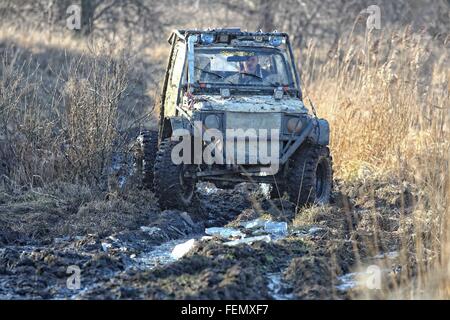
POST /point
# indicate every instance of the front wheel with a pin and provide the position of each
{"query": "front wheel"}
(310, 176)
(174, 186)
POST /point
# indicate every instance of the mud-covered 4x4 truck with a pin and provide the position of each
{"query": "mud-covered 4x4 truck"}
(232, 111)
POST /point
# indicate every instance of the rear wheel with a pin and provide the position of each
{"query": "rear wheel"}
(174, 186)
(310, 176)
(145, 155)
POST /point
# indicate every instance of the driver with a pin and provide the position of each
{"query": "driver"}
(249, 71)
(251, 66)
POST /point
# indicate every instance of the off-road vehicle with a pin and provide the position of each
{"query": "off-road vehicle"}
(225, 93)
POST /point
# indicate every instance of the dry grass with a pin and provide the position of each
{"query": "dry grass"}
(65, 209)
(62, 132)
(388, 102)
(67, 109)
(309, 216)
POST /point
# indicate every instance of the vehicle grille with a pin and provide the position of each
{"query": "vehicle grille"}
(248, 142)
(242, 120)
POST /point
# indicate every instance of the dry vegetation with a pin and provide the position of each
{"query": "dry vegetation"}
(67, 106)
(387, 97)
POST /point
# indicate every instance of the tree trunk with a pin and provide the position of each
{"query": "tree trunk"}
(87, 16)
(266, 13)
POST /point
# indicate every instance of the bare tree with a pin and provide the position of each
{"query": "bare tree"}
(262, 11)
(88, 8)
(96, 15)
(322, 20)
(329, 20)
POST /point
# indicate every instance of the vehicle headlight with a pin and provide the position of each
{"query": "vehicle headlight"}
(207, 38)
(276, 41)
(212, 122)
(294, 125)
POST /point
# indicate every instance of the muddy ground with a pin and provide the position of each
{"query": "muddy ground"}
(125, 253)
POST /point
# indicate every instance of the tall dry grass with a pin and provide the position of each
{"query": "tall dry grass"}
(63, 130)
(387, 98)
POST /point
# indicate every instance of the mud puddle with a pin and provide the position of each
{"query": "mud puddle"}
(374, 273)
(147, 260)
(161, 255)
(279, 289)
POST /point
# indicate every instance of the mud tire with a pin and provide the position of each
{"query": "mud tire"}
(277, 191)
(310, 176)
(172, 190)
(145, 155)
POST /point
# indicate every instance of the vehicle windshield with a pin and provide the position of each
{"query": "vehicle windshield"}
(242, 67)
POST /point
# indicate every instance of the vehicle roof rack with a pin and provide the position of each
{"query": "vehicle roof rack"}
(230, 31)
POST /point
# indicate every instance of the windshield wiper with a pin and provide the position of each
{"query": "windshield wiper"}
(210, 72)
(215, 74)
(260, 78)
(252, 75)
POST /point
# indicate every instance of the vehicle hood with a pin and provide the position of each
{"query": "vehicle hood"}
(250, 104)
